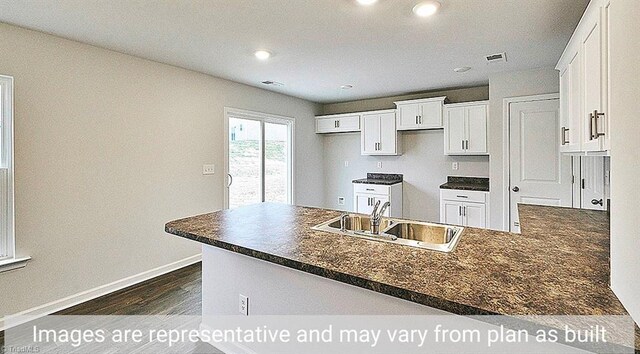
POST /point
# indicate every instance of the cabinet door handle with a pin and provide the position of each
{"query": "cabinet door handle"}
(419, 119)
(464, 211)
(596, 115)
(564, 131)
(460, 210)
(462, 196)
(370, 189)
(591, 130)
(462, 144)
(416, 120)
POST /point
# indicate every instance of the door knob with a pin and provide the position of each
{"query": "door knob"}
(597, 202)
(516, 189)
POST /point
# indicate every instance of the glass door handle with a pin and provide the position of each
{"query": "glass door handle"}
(230, 182)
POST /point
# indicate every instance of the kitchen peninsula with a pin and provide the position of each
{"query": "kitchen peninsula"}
(554, 267)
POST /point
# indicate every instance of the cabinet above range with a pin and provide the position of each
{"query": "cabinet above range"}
(420, 114)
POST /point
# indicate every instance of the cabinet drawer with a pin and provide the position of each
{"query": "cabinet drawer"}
(371, 189)
(464, 196)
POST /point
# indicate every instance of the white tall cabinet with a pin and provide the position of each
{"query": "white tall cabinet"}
(379, 135)
(465, 128)
(584, 84)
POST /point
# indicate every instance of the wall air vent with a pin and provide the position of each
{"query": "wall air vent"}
(496, 58)
(273, 83)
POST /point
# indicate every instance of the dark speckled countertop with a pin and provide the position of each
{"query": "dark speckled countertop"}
(558, 266)
(467, 183)
(386, 179)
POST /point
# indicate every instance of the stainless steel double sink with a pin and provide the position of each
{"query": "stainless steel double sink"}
(442, 238)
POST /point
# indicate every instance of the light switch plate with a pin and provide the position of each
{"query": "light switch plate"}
(455, 166)
(208, 169)
(341, 201)
(346, 164)
(379, 164)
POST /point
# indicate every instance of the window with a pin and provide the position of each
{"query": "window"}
(7, 243)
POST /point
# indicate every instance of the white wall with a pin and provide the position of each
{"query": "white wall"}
(423, 163)
(625, 151)
(108, 148)
(501, 86)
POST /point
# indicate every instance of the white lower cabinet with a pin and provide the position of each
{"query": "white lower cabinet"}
(365, 197)
(464, 208)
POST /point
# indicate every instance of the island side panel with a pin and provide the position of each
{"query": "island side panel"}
(276, 290)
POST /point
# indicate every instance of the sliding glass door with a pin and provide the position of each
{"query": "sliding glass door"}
(259, 159)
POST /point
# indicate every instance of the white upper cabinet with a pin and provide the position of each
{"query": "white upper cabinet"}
(420, 114)
(339, 123)
(379, 135)
(584, 87)
(465, 128)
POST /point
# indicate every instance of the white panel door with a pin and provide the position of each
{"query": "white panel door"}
(430, 115)
(370, 133)
(592, 85)
(326, 125)
(475, 215)
(388, 134)
(592, 174)
(477, 129)
(363, 203)
(455, 130)
(408, 115)
(539, 174)
(451, 213)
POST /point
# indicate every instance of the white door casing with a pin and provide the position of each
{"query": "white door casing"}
(539, 173)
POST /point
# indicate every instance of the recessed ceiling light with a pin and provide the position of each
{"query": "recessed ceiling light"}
(462, 69)
(426, 8)
(367, 2)
(346, 87)
(262, 54)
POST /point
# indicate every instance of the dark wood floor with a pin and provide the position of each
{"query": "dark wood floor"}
(175, 293)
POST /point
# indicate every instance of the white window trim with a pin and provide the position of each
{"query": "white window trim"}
(8, 259)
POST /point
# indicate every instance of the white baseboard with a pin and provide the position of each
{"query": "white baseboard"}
(227, 348)
(84, 296)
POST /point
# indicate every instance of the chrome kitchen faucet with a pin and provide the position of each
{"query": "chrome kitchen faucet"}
(377, 216)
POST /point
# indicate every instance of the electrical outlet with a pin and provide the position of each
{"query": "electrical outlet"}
(208, 169)
(379, 164)
(243, 305)
(346, 164)
(455, 166)
(341, 201)
(606, 178)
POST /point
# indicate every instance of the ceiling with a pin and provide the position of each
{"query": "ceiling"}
(318, 45)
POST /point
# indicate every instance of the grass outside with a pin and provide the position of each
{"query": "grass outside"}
(244, 166)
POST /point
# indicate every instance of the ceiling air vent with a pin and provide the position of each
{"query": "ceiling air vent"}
(273, 83)
(496, 58)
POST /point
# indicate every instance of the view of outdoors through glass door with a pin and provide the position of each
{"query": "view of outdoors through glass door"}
(259, 162)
